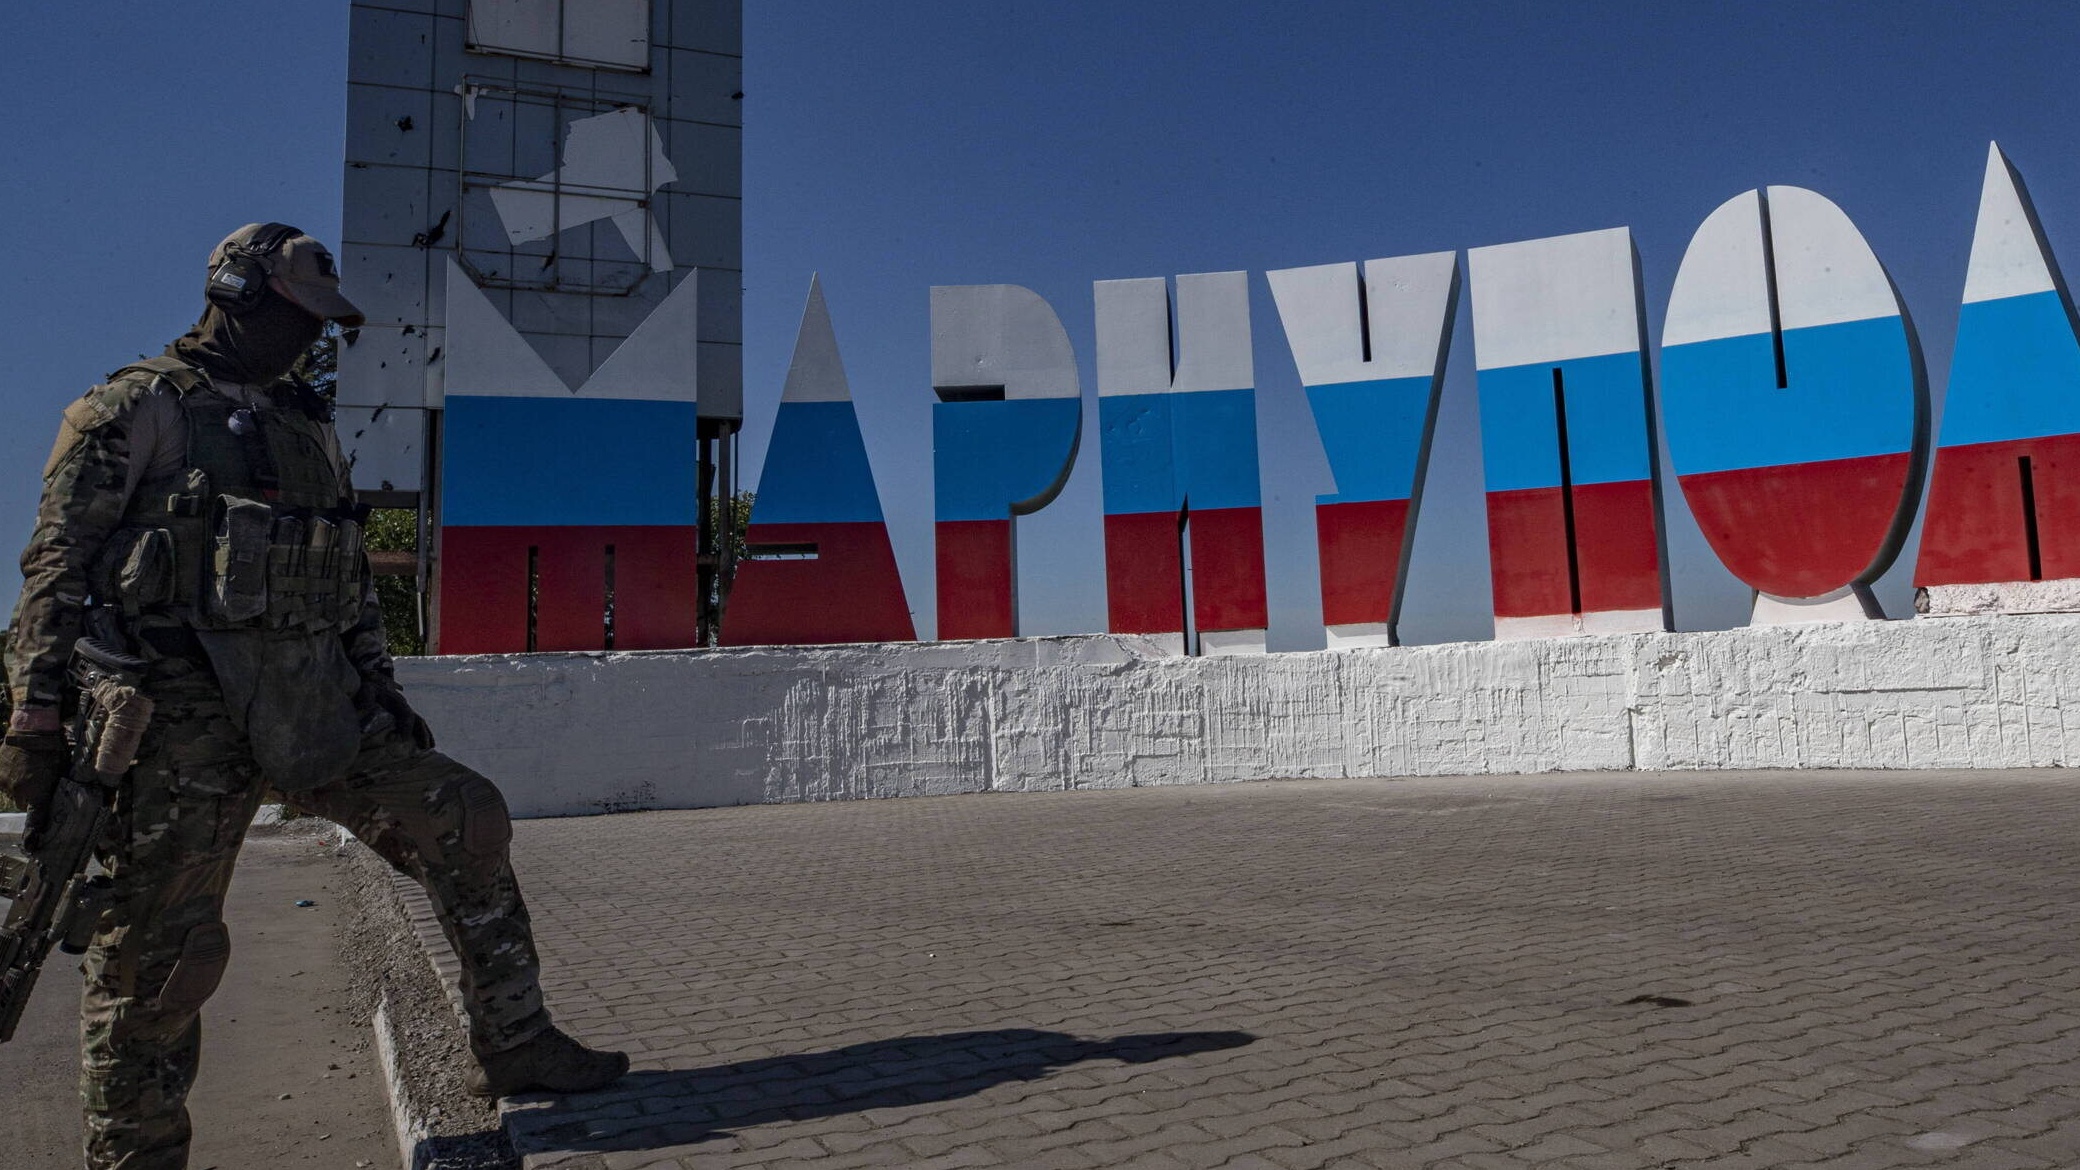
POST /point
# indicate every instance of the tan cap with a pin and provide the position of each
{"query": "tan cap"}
(301, 267)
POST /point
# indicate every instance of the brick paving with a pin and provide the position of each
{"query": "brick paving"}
(1608, 972)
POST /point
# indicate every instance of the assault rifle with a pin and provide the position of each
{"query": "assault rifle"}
(53, 901)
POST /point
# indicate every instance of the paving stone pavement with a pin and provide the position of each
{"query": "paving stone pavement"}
(1606, 972)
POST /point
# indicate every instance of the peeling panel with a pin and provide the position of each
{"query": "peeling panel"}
(529, 190)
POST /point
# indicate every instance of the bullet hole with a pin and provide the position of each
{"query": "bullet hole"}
(405, 123)
(432, 235)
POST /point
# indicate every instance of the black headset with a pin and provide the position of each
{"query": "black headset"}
(239, 280)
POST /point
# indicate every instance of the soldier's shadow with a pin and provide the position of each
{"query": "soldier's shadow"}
(650, 1109)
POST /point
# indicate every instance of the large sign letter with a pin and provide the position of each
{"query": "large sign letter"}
(1180, 459)
(821, 567)
(1371, 350)
(1797, 412)
(2004, 507)
(569, 518)
(1566, 437)
(1004, 437)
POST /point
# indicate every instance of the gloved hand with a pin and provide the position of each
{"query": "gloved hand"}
(381, 698)
(31, 765)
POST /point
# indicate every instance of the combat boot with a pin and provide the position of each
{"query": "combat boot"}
(551, 1062)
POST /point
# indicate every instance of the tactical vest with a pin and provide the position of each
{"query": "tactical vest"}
(253, 533)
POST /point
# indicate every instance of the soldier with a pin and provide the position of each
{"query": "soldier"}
(197, 507)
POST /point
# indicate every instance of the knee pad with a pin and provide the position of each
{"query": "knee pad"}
(487, 826)
(205, 953)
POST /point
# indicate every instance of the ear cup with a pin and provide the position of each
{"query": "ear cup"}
(238, 281)
(235, 285)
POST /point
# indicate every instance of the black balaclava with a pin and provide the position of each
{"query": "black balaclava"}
(256, 347)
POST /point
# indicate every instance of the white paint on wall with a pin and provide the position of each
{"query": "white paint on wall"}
(582, 733)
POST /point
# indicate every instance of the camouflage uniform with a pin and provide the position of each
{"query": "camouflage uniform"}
(184, 809)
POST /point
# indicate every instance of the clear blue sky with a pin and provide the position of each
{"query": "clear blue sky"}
(893, 146)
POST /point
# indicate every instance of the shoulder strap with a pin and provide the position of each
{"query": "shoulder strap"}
(178, 374)
(301, 395)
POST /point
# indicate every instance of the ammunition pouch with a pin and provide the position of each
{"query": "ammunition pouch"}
(239, 561)
(136, 570)
(256, 532)
(246, 565)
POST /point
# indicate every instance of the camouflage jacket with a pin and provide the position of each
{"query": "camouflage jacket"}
(111, 440)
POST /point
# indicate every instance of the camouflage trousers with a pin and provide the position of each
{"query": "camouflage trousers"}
(178, 824)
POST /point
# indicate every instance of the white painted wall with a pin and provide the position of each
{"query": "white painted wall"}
(583, 733)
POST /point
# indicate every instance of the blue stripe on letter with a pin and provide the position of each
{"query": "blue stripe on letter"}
(816, 468)
(2015, 373)
(569, 461)
(1851, 395)
(1373, 435)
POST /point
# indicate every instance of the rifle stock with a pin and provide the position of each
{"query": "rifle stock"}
(53, 900)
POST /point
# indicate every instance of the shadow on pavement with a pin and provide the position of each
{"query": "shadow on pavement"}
(464, 1151)
(680, 1107)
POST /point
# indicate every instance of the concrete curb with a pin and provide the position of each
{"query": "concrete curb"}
(405, 1117)
(426, 1139)
(417, 909)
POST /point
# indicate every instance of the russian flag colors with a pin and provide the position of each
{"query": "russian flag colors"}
(1370, 348)
(567, 516)
(1179, 454)
(820, 568)
(1567, 445)
(1004, 438)
(1793, 397)
(2004, 502)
